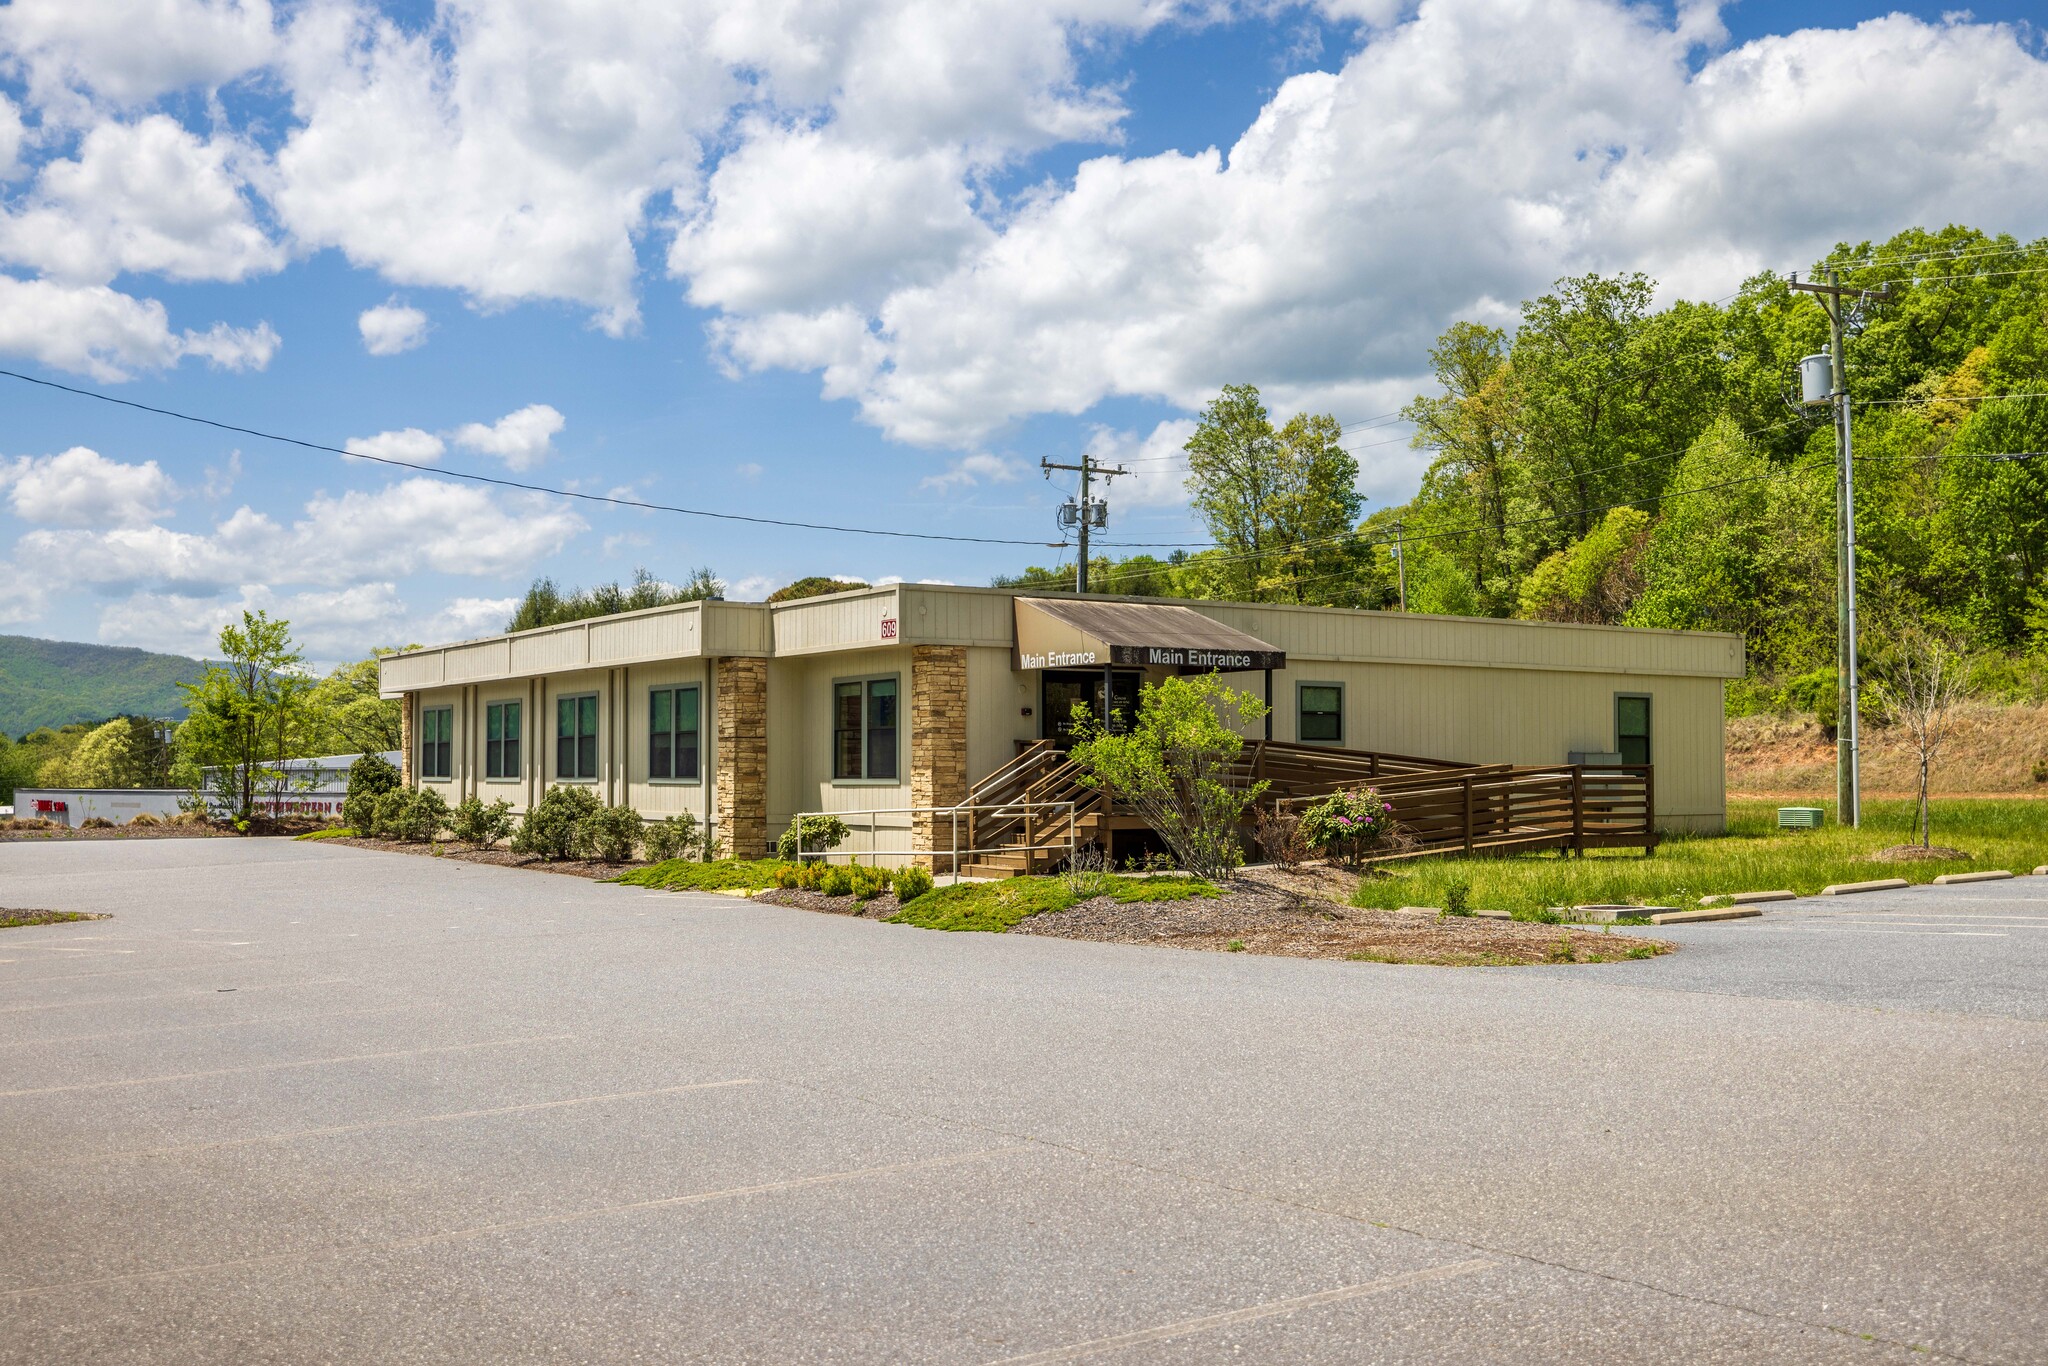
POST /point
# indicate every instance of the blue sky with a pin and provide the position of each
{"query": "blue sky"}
(851, 265)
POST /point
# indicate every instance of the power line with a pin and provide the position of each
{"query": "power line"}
(434, 473)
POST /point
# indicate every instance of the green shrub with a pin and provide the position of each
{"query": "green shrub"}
(415, 815)
(550, 829)
(836, 881)
(1348, 825)
(609, 834)
(819, 834)
(868, 883)
(482, 826)
(369, 778)
(1458, 898)
(911, 883)
(675, 837)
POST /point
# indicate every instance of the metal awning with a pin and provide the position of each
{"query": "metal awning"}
(1065, 633)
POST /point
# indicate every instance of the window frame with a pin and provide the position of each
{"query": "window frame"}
(1301, 711)
(866, 682)
(445, 744)
(596, 735)
(1648, 737)
(514, 745)
(696, 777)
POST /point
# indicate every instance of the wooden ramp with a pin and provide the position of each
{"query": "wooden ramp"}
(1021, 815)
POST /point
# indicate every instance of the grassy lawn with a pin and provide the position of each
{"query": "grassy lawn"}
(688, 875)
(1752, 857)
(996, 906)
(340, 832)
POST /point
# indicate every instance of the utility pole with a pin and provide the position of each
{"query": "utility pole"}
(1401, 566)
(1825, 379)
(1090, 513)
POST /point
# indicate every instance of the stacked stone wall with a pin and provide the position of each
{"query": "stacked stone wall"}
(938, 747)
(741, 689)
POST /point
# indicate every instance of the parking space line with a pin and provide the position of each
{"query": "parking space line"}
(154, 1030)
(1249, 1314)
(1868, 929)
(285, 1066)
(516, 1225)
(170, 995)
(450, 1117)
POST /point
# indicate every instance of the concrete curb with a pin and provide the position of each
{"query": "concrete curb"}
(1957, 879)
(1751, 898)
(1884, 884)
(1701, 917)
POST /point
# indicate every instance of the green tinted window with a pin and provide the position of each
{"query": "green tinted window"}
(1632, 729)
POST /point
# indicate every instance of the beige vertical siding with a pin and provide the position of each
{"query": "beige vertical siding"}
(840, 622)
(643, 792)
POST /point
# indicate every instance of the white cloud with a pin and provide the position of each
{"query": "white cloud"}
(110, 335)
(82, 488)
(415, 526)
(522, 439)
(796, 218)
(754, 587)
(342, 624)
(970, 470)
(1157, 462)
(391, 328)
(1468, 154)
(146, 197)
(408, 443)
(222, 478)
(10, 137)
(130, 51)
(464, 618)
(25, 596)
(749, 471)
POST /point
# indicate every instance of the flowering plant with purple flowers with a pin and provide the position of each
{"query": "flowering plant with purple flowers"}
(1349, 825)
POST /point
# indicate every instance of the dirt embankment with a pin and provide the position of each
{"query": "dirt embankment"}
(1993, 750)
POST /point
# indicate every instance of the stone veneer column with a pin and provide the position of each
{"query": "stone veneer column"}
(938, 747)
(741, 692)
(405, 759)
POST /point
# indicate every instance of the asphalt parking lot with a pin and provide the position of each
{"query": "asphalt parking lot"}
(303, 1104)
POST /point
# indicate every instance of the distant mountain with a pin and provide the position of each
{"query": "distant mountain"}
(57, 682)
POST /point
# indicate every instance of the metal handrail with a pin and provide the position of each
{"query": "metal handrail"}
(954, 854)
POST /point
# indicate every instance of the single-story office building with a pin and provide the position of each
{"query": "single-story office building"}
(901, 698)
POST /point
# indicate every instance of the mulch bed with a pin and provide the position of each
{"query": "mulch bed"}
(1268, 912)
(119, 832)
(499, 858)
(12, 919)
(875, 908)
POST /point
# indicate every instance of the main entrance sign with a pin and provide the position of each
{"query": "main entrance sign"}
(1055, 633)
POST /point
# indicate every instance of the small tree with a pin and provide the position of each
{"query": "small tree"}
(244, 712)
(369, 778)
(1176, 765)
(1924, 680)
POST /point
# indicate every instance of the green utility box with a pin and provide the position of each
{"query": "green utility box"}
(1800, 817)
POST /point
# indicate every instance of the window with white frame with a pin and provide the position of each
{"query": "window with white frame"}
(501, 739)
(437, 742)
(1321, 716)
(864, 729)
(576, 736)
(672, 734)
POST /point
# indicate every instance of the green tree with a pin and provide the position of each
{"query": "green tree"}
(344, 714)
(17, 768)
(545, 604)
(813, 586)
(244, 712)
(104, 758)
(1597, 579)
(1280, 505)
(1177, 766)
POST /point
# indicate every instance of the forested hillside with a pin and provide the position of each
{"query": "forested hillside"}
(55, 683)
(1608, 461)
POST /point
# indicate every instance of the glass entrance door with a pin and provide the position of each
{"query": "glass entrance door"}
(1063, 688)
